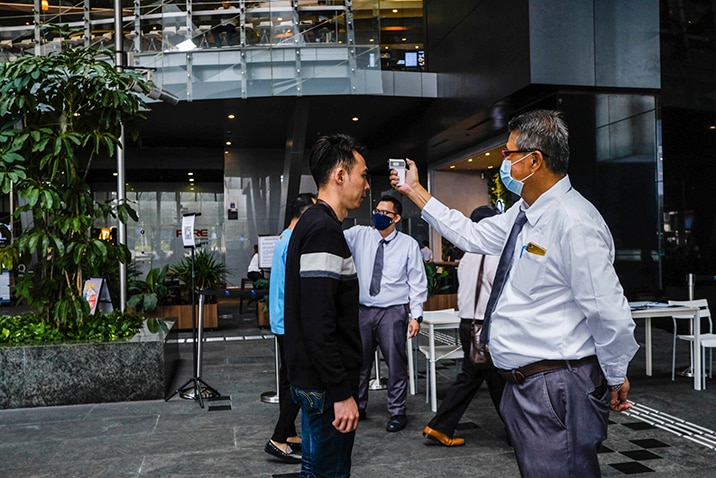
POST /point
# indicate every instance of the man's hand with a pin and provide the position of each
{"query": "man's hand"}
(413, 328)
(346, 413)
(618, 400)
(412, 187)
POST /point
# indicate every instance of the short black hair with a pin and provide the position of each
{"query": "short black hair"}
(330, 151)
(481, 213)
(397, 206)
(301, 203)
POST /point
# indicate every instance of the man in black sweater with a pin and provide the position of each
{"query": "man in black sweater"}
(322, 337)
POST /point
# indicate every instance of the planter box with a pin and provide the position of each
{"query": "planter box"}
(182, 315)
(262, 315)
(441, 301)
(69, 374)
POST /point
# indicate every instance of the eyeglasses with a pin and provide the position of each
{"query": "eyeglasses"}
(507, 152)
(383, 212)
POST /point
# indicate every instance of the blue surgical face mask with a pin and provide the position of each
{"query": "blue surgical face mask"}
(381, 222)
(512, 184)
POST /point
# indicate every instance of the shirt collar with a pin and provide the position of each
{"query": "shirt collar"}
(389, 238)
(546, 200)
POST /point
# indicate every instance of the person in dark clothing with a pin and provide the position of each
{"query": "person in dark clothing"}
(471, 307)
(322, 337)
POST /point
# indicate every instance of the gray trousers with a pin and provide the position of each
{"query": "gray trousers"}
(388, 328)
(557, 420)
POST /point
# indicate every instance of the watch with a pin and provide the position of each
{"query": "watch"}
(419, 319)
(615, 388)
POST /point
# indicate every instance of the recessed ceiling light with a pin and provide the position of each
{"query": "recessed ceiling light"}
(487, 154)
(452, 166)
(228, 143)
(395, 10)
(713, 126)
(226, 152)
(231, 116)
(355, 119)
(489, 167)
(404, 39)
(372, 40)
(190, 173)
(115, 174)
(469, 160)
(191, 180)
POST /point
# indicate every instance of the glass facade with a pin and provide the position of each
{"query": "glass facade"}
(233, 49)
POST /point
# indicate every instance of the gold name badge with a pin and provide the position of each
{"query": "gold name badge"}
(533, 248)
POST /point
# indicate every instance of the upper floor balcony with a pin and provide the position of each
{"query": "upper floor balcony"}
(237, 49)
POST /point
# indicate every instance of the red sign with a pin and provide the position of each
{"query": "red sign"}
(197, 233)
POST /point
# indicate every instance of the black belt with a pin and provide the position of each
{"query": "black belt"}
(518, 375)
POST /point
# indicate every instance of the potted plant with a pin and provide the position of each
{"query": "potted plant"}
(262, 309)
(57, 113)
(438, 295)
(209, 273)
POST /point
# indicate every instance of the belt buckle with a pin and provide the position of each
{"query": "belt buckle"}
(518, 376)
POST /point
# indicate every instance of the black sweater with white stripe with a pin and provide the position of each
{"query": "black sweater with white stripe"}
(322, 337)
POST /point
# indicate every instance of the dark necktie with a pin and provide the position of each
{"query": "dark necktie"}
(503, 268)
(377, 269)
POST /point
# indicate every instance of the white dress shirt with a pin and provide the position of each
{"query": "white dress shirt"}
(566, 304)
(403, 280)
(467, 272)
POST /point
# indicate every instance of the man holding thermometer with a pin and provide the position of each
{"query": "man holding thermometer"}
(558, 326)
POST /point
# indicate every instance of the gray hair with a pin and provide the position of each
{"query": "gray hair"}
(546, 131)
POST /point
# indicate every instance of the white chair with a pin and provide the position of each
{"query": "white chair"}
(169, 33)
(704, 311)
(183, 31)
(708, 341)
(265, 32)
(204, 31)
(153, 36)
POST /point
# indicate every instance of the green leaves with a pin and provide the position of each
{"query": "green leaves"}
(56, 113)
(31, 329)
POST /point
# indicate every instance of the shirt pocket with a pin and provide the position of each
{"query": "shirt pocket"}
(529, 273)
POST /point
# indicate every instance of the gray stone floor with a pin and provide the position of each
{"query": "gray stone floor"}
(178, 438)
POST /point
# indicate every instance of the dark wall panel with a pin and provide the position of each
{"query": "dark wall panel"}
(562, 42)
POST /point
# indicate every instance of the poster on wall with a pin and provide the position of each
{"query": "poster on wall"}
(267, 243)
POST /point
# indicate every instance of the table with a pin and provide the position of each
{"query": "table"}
(648, 312)
(434, 320)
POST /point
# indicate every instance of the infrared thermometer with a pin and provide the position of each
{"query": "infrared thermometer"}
(399, 166)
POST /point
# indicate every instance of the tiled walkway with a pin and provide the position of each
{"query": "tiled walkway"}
(225, 438)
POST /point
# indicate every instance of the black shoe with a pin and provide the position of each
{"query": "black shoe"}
(397, 423)
(362, 415)
(289, 457)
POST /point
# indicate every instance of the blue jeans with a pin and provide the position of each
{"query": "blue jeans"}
(325, 451)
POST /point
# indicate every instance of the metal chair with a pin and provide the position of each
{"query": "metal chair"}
(708, 341)
(704, 311)
(153, 36)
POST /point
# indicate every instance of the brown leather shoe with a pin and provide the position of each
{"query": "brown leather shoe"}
(442, 438)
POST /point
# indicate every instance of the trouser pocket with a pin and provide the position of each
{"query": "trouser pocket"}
(311, 401)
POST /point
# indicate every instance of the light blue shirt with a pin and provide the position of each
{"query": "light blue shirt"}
(403, 281)
(277, 284)
(565, 304)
